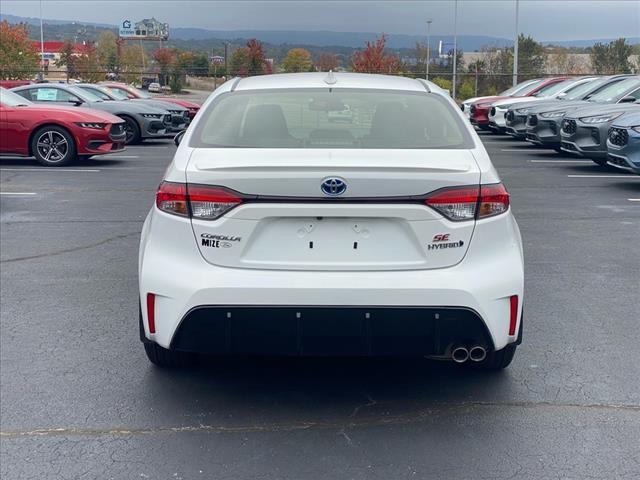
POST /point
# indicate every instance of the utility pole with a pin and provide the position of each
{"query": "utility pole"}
(429, 22)
(226, 59)
(515, 49)
(455, 46)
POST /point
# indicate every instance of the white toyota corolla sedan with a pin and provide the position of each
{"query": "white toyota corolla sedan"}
(277, 231)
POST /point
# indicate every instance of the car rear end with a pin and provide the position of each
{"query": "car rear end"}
(276, 231)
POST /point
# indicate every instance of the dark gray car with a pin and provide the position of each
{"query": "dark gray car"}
(544, 121)
(584, 131)
(141, 121)
(179, 115)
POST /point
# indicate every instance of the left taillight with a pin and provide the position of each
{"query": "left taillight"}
(198, 201)
(469, 203)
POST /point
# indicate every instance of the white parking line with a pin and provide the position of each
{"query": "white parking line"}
(18, 193)
(526, 150)
(44, 169)
(560, 161)
(634, 199)
(121, 156)
(628, 177)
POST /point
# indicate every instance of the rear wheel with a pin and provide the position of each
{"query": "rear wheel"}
(53, 146)
(132, 130)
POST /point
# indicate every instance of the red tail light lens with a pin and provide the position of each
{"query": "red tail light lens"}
(467, 203)
(172, 198)
(494, 200)
(197, 201)
(209, 203)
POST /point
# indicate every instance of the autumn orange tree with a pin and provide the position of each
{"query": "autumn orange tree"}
(18, 56)
(373, 59)
(165, 58)
(249, 60)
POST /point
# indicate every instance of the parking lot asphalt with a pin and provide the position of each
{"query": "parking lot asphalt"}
(79, 400)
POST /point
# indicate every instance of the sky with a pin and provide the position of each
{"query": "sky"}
(543, 19)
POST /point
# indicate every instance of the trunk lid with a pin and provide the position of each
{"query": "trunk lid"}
(290, 224)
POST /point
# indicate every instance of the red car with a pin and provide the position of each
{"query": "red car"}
(133, 92)
(479, 112)
(56, 135)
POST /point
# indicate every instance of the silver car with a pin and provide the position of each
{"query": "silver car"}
(544, 122)
(179, 115)
(584, 131)
(141, 121)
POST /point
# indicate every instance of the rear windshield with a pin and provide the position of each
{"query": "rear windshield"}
(336, 118)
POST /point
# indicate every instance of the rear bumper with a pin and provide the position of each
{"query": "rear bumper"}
(183, 282)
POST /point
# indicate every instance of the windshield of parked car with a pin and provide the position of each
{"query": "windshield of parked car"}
(513, 90)
(140, 93)
(85, 95)
(117, 93)
(338, 118)
(580, 91)
(10, 99)
(528, 89)
(613, 92)
(553, 89)
(98, 93)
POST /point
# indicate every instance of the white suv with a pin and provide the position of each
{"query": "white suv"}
(279, 232)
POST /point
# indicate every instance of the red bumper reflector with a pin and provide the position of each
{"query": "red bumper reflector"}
(151, 312)
(513, 314)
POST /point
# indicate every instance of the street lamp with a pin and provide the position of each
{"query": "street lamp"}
(429, 22)
(515, 50)
(455, 46)
(41, 74)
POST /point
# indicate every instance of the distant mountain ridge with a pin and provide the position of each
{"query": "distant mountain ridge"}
(326, 38)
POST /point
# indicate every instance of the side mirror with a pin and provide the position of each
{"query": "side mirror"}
(178, 138)
(561, 95)
(77, 102)
(628, 99)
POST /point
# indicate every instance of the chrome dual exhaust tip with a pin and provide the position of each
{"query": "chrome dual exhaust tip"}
(461, 354)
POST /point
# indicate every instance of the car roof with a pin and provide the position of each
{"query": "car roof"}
(339, 80)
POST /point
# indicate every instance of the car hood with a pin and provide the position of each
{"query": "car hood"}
(489, 100)
(74, 114)
(126, 106)
(628, 120)
(517, 100)
(603, 110)
(469, 101)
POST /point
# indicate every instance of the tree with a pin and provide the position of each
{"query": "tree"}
(297, 60)
(67, 59)
(374, 60)
(531, 58)
(132, 61)
(18, 56)
(327, 61)
(611, 58)
(165, 58)
(107, 50)
(86, 65)
(249, 60)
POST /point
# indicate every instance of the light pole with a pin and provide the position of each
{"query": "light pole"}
(455, 46)
(515, 49)
(41, 45)
(429, 22)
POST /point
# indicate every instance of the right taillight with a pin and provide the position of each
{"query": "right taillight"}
(196, 201)
(468, 203)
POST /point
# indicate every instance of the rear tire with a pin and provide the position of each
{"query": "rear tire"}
(165, 358)
(53, 146)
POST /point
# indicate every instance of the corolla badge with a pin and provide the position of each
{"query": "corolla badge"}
(333, 186)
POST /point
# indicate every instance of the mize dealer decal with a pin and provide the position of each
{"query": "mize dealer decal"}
(439, 242)
(218, 241)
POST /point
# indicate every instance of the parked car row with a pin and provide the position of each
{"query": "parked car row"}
(60, 123)
(592, 117)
